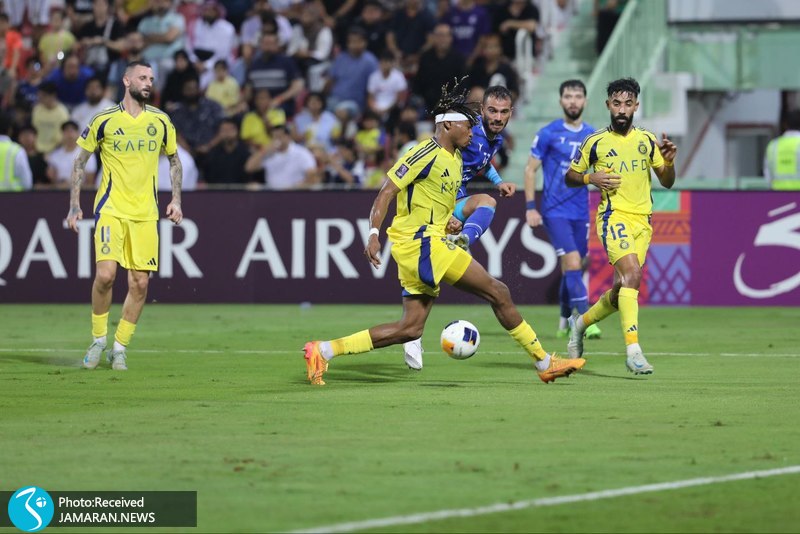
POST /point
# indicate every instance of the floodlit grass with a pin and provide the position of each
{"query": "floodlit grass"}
(216, 401)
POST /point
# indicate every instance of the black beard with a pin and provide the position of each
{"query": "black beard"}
(621, 129)
(574, 115)
(137, 95)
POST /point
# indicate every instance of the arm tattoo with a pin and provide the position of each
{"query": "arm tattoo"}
(175, 176)
(78, 175)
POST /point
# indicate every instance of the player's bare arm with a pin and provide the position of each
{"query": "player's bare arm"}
(601, 180)
(376, 216)
(666, 174)
(174, 211)
(532, 215)
(78, 176)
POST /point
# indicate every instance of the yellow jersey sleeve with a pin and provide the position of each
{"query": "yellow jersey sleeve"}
(656, 159)
(414, 164)
(88, 138)
(170, 138)
(580, 163)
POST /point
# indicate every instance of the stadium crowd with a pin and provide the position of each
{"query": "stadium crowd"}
(278, 94)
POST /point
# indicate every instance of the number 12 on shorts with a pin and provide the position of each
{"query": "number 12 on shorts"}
(620, 232)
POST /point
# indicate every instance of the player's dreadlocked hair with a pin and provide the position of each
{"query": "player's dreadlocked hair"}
(455, 99)
(623, 85)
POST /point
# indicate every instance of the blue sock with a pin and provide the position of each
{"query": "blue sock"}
(563, 298)
(478, 223)
(578, 297)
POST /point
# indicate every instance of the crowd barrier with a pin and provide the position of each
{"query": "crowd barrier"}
(709, 248)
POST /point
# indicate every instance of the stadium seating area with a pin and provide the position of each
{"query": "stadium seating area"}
(348, 81)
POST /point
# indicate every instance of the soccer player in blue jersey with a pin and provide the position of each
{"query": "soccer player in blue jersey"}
(621, 157)
(474, 213)
(563, 210)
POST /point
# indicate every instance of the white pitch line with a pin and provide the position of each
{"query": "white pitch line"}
(545, 501)
(294, 350)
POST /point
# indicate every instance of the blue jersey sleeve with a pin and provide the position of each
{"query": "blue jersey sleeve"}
(540, 144)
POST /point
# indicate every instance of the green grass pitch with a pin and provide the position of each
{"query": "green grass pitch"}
(216, 401)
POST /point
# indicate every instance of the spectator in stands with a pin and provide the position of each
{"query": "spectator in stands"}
(782, 159)
(197, 118)
(370, 138)
(36, 160)
(57, 42)
(276, 72)
(350, 70)
(214, 40)
(48, 116)
(491, 68)
(163, 31)
(70, 80)
(344, 167)
(255, 123)
(438, 66)
(10, 52)
(28, 87)
(372, 20)
(514, 16)
(225, 163)
(386, 87)
(190, 173)
(173, 87)
(38, 11)
(79, 13)
(409, 32)
(15, 173)
(607, 13)
(253, 28)
(236, 10)
(346, 113)
(98, 37)
(131, 12)
(315, 124)
(60, 161)
(405, 138)
(286, 164)
(225, 90)
(311, 46)
(94, 104)
(469, 22)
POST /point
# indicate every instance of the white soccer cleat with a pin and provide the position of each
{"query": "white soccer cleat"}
(413, 354)
(575, 343)
(638, 364)
(92, 358)
(117, 359)
(459, 240)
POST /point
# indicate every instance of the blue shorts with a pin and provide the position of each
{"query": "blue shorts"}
(568, 235)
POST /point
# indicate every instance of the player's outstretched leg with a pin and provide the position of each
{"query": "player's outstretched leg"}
(317, 354)
(412, 352)
(566, 309)
(548, 366)
(578, 324)
(479, 212)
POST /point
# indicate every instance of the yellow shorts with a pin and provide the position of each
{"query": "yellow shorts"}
(624, 233)
(132, 244)
(423, 263)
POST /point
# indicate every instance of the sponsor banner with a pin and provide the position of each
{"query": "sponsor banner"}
(259, 247)
(746, 248)
(31, 509)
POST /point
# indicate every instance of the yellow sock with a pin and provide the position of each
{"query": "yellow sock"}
(526, 337)
(100, 325)
(352, 344)
(629, 314)
(125, 332)
(601, 309)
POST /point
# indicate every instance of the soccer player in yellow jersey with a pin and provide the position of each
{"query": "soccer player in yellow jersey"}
(424, 183)
(130, 136)
(622, 156)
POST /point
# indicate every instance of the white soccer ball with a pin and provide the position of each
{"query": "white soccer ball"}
(460, 340)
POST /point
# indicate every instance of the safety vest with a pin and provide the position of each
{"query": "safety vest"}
(784, 162)
(9, 181)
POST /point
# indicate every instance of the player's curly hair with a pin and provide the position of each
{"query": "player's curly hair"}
(623, 85)
(454, 98)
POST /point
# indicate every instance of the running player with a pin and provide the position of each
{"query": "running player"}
(622, 156)
(130, 137)
(425, 182)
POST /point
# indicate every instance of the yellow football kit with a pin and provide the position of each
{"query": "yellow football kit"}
(126, 204)
(428, 177)
(623, 216)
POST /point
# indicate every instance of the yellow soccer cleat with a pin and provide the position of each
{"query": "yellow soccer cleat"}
(560, 367)
(316, 365)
